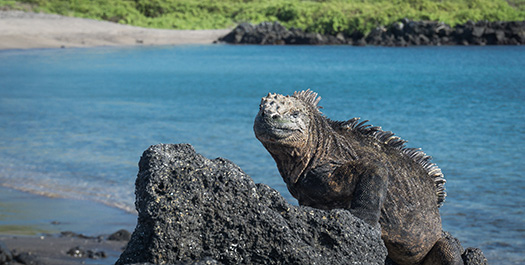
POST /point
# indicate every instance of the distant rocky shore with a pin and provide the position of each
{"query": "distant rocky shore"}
(403, 33)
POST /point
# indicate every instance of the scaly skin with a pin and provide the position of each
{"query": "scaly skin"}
(328, 164)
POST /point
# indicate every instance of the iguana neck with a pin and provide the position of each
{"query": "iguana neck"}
(322, 143)
(291, 161)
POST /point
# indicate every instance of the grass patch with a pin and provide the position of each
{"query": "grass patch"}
(323, 16)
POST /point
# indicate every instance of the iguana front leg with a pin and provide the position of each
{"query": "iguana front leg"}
(356, 185)
(370, 189)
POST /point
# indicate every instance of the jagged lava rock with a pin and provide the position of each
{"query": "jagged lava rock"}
(191, 208)
(404, 32)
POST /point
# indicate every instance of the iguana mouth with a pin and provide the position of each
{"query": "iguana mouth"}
(274, 132)
(282, 133)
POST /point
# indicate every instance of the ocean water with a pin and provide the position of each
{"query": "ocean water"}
(74, 122)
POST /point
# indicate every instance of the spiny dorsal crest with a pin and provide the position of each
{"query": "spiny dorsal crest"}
(388, 138)
(308, 97)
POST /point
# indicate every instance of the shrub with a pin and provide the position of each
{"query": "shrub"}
(323, 16)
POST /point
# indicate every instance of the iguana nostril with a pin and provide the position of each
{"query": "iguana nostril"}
(276, 116)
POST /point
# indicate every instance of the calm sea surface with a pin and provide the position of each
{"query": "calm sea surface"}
(74, 122)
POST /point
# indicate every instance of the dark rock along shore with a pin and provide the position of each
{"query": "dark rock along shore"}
(192, 210)
(64, 249)
(403, 33)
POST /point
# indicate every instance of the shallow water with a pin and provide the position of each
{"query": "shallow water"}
(75, 121)
(29, 214)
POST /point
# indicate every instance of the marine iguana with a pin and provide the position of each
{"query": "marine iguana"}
(330, 164)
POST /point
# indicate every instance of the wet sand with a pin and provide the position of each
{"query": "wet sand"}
(34, 227)
(23, 30)
(61, 250)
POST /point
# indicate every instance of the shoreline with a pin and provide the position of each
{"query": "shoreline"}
(25, 30)
(28, 214)
(21, 30)
(50, 230)
(64, 248)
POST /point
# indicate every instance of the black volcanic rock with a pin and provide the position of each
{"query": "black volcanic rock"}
(5, 254)
(273, 33)
(474, 256)
(192, 209)
(401, 33)
(264, 33)
(120, 235)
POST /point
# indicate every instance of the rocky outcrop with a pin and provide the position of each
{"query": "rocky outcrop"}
(490, 33)
(474, 256)
(193, 209)
(275, 33)
(402, 33)
(5, 254)
(408, 33)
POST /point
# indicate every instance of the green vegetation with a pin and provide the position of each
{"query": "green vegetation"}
(518, 4)
(324, 16)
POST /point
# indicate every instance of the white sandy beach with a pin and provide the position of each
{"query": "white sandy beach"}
(22, 30)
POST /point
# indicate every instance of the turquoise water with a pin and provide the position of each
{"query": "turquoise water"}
(74, 122)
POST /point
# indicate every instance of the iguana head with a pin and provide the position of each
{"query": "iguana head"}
(285, 120)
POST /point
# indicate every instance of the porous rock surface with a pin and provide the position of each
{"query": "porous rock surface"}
(192, 209)
(474, 256)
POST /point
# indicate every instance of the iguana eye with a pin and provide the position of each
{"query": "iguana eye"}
(295, 114)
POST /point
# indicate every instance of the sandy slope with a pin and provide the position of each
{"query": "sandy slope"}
(21, 30)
